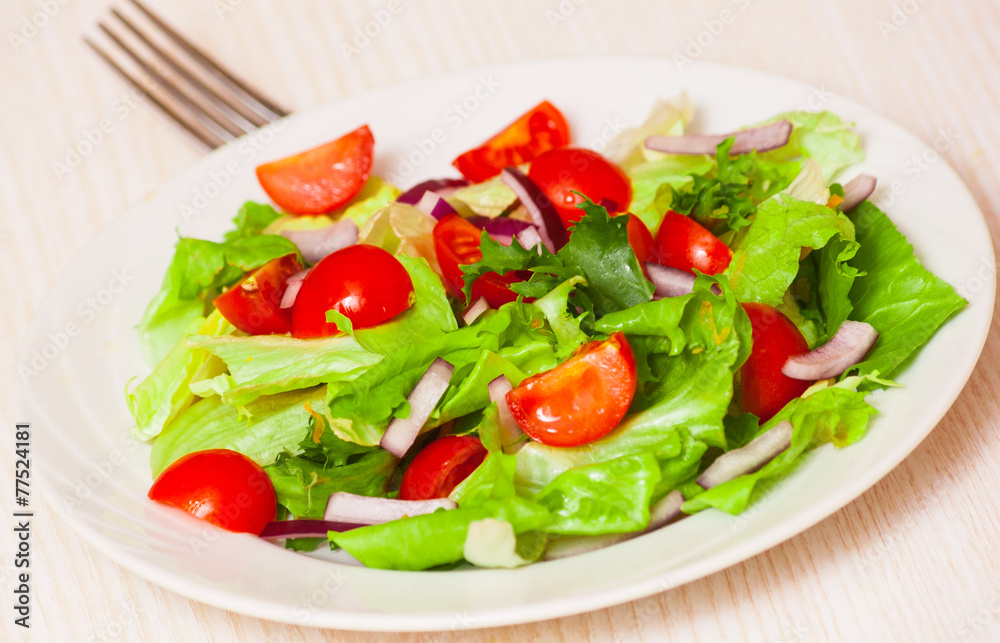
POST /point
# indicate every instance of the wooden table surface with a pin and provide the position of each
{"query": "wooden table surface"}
(916, 558)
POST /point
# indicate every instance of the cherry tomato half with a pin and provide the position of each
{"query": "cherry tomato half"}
(641, 240)
(456, 244)
(253, 304)
(321, 179)
(224, 487)
(441, 466)
(764, 389)
(685, 244)
(580, 400)
(364, 283)
(541, 128)
(560, 173)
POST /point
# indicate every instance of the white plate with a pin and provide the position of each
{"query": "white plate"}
(83, 349)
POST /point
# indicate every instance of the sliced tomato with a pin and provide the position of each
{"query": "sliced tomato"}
(253, 304)
(764, 389)
(364, 283)
(541, 128)
(685, 244)
(224, 487)
(440, 467)
(563, 172)
(321, 179)
(641, 240)
(456, 244)
(580, 400)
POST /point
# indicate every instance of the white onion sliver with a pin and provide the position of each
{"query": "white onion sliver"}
(401, 432)
(665, 511)
(318, 243)
(529, 238)
(748, 458)
(857, 190)
(510, 432)
(363, 510)
(576, 545)
(847, 347)
(475, 310)
(669, 282)
(762, 139)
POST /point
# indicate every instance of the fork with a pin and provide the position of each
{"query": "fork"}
(207, 101)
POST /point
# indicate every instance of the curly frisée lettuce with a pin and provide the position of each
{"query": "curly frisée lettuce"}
(313, 412)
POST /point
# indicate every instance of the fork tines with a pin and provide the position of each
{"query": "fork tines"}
(208, 101)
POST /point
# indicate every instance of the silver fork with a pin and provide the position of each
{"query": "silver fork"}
(196, 92)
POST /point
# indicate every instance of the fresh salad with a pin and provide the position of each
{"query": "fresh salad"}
(558, 351)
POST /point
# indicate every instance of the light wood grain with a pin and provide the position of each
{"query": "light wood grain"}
(917, 558)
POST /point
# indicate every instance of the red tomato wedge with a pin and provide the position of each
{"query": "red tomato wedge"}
(321, 179)
(563, 172)
(364, 283)
(456, 244)
(685, 244)
(764, 389)
(440, 467)
(641, 240)
(253, 304)
(541, 128)
(580, 400)
(224, 487)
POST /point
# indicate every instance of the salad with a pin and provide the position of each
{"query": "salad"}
(558, 351)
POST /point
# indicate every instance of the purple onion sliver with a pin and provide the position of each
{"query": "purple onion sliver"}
(510, 432)
(847, 347)
(762, 139)
(475, 310)
(292, 289)
(352, 508)
(505, 226)
(748, 458)
(401, 432)
(669, 282)
(304, 528)
(857, 190)
(609, 205)
(318, 243)
(444, 188)
(665, 511)
(543, 213)
(576, 545)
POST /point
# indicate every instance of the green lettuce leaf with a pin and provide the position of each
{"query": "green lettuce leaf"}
(303, 486)
(159, 398)
(269, 364)
(604, 498)
(904, 301)
(833, 414)
(276, 423)
(251, 221)
(766, 255)
(821, 136)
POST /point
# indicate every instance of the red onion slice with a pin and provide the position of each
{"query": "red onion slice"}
(433, 204)
(443, 187)
(748, 458)
(401, 432)
(762, 139)
(542, 212)
(304, 528)
(363, 510)
(857, 190)
(318, 243)
(475, 310)
(847, 347)
(669, 282)
(529, 238)
(510, 432)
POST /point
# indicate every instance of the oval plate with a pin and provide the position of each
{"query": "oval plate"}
(83, 349)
